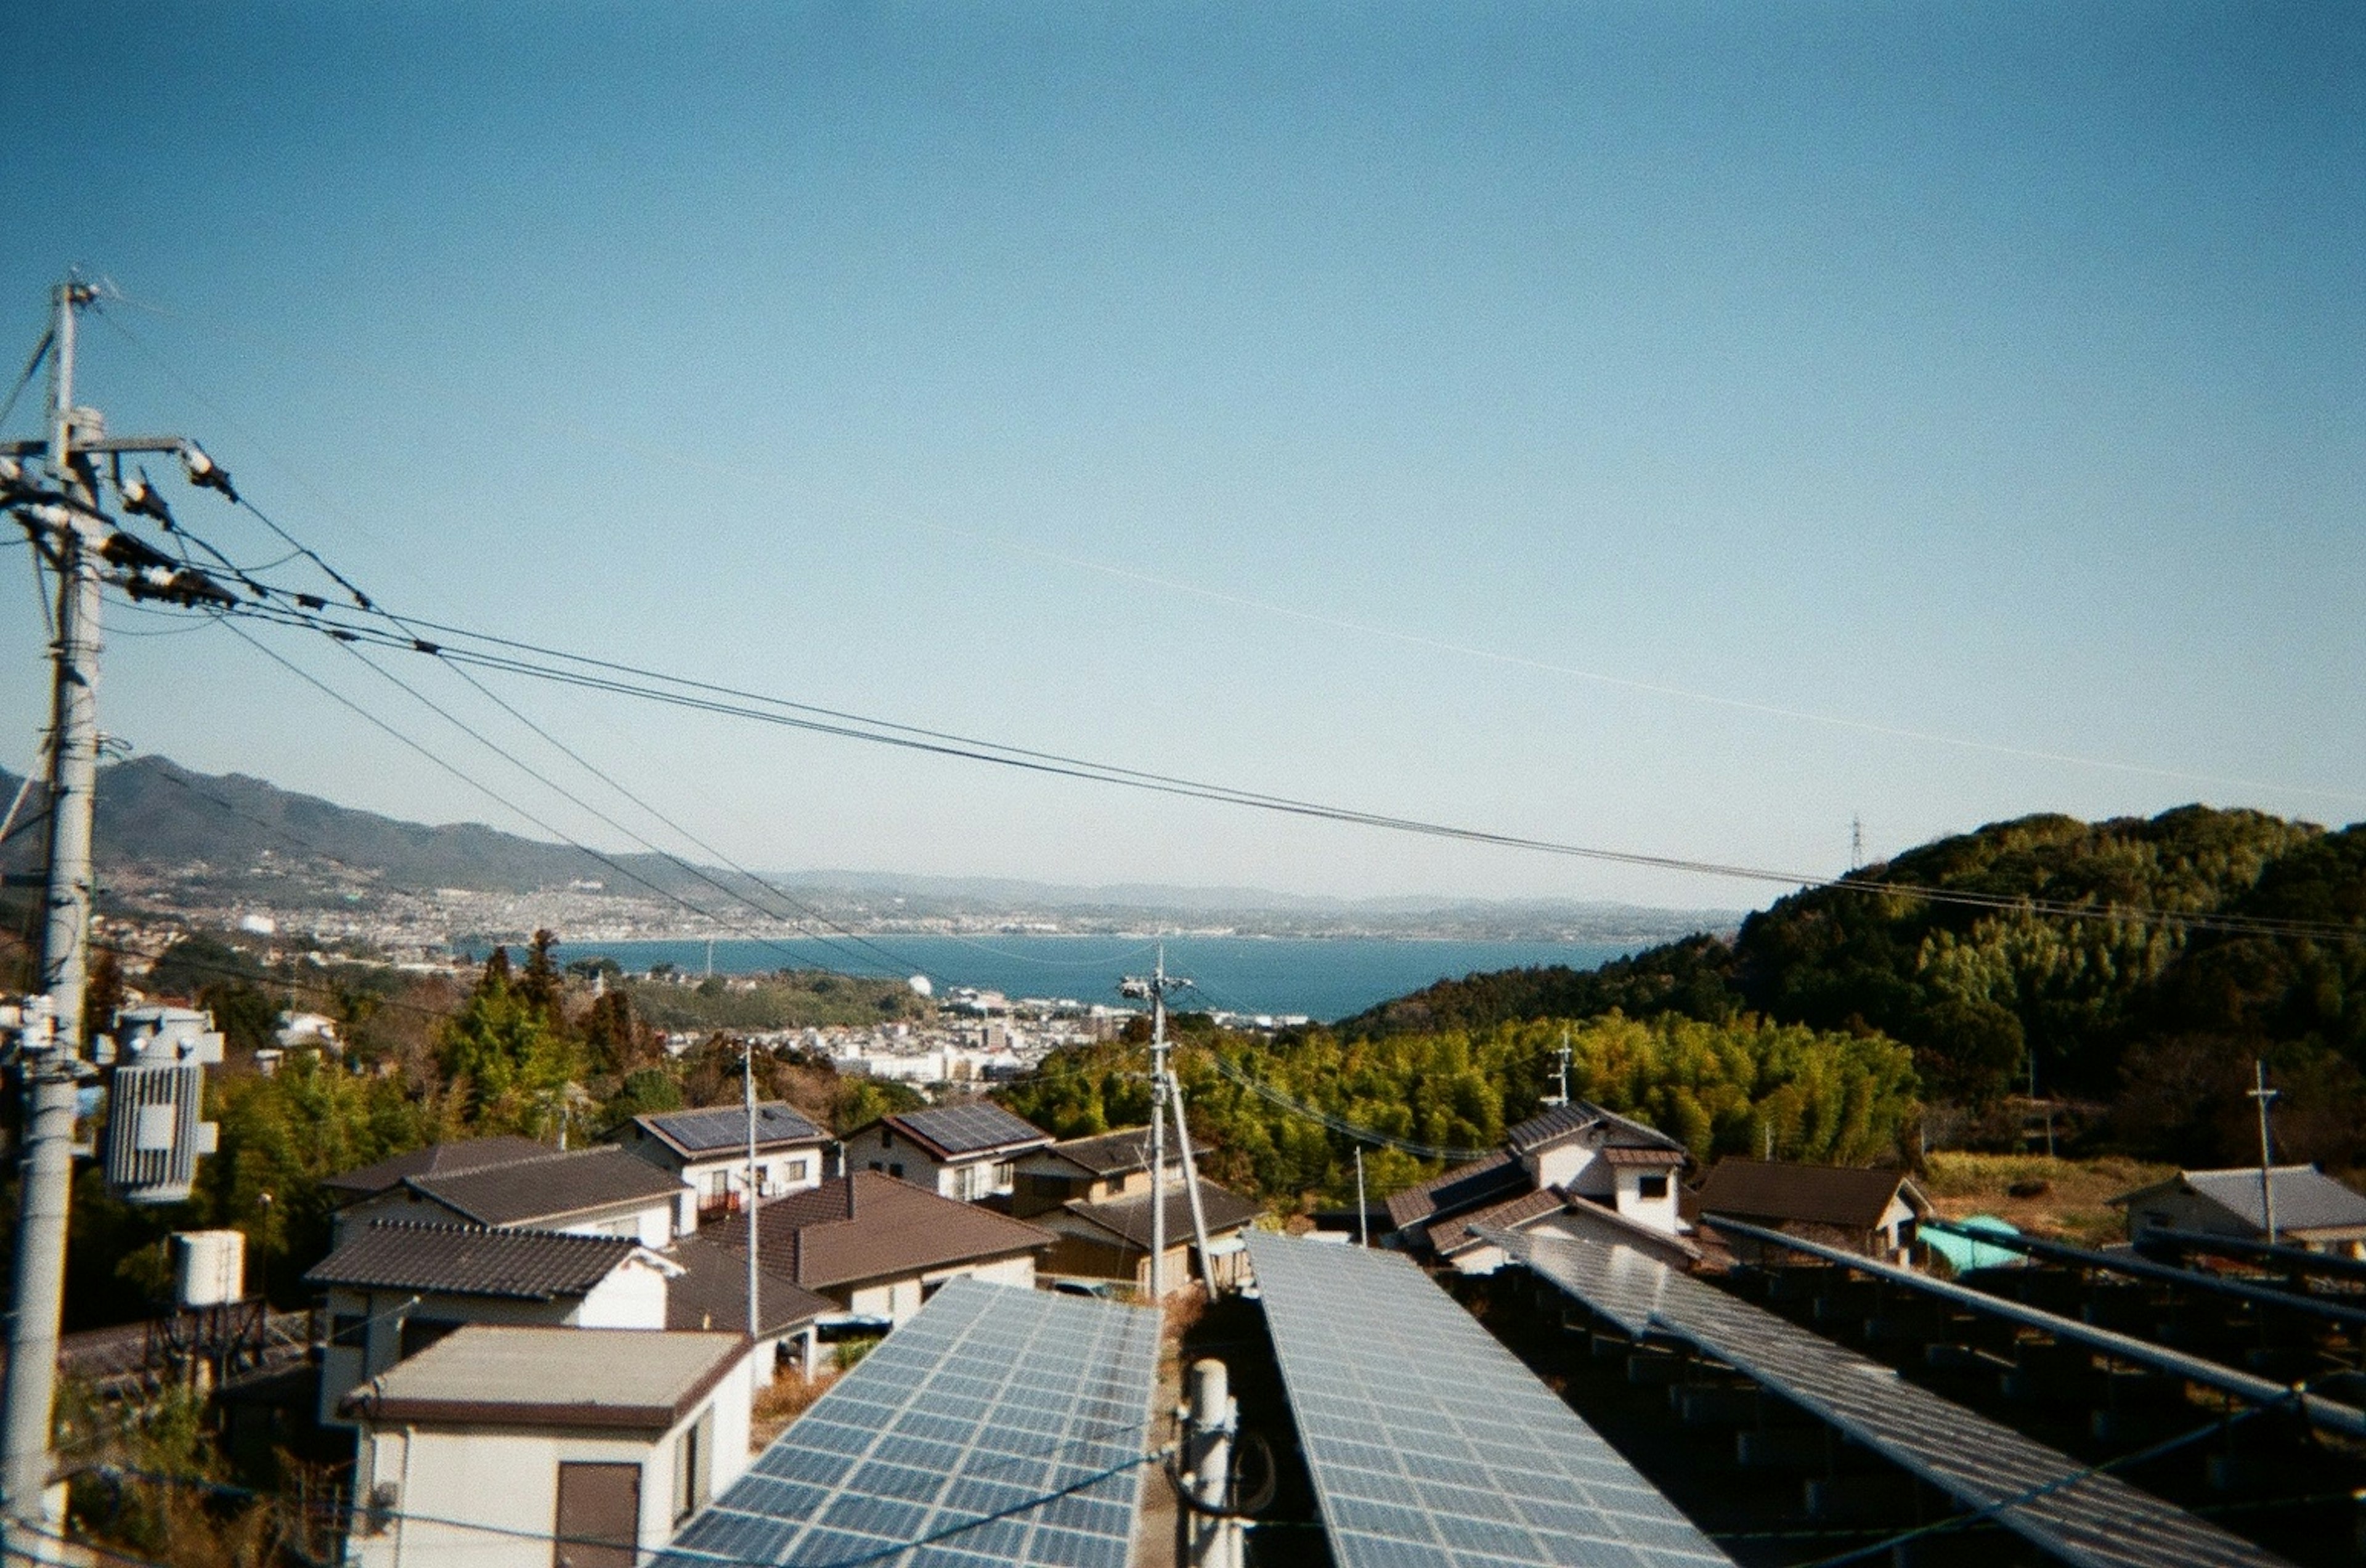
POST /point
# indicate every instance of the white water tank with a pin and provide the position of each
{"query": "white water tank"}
(210, 1267)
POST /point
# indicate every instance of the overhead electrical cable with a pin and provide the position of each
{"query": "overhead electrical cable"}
(456, 772)
(506, 654)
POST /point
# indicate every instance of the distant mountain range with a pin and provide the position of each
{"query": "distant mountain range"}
(157, 818)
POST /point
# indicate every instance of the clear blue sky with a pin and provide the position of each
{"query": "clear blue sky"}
(1995, 372)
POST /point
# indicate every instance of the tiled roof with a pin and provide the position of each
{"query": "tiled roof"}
(438, 1159)
(631, 1379)
(1603, 1129)
(1457, 1189)
(1449, 1237)
(869, 1226)
(1114, 1154)
(1803, 1194)
(2306, 1199)
(712, 1289)
(549, 1187)
(472, 1260)
(972, 1127)
(724, 1127)
(1647, 1159)
(1128, 1219)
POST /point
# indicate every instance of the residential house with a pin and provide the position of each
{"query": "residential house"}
(1095, 1169)
(1111, 1239)
(1553, 1162)
(1876, 1213)
(2313, 1210)
(1465, 1240)
(964, 1151)
(396, 1287)
(530, 1447)
(707, 1151)
(710, 1292)
(879, 1246)
(596, 1191)
(1614, 1160)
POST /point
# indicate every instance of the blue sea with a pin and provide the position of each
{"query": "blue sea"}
(1324, 977)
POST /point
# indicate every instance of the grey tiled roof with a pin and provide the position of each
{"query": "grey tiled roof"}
(724, 1127)
(1607, 1128)
(2306, 1199)
(1129, 1218)
(1457, 1189)
(438, 1159)
(1114, 1154)
(712, 1289)
(550, 1187)
(472, 1260)
(869, 1226)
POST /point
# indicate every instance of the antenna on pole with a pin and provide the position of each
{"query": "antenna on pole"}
(1856, 843)
(2263, 1094)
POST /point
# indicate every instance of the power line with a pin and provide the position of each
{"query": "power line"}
(603, 675)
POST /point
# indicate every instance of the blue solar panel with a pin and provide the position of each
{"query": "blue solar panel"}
(2094, 1520)
(1430, 1443)
(1000, 1425)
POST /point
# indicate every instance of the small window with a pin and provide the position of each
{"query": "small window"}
(881, 1165)
(1652, 1188)
(796, 1169)
(693, 1466)
(896, 1170)
(718, 1183)
(349, 1331)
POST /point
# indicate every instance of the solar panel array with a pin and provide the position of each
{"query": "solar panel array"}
(999, 1426)
(1430, 1443)
(726, 1127)
(965, 1129)
(2095, 1520)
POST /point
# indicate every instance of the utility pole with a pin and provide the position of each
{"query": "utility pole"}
(1856, 843)
(1165, 1096)
(2263, 1094)
(748, 1088)
(1363, 1214)
(1560, 1071)
(60, 508)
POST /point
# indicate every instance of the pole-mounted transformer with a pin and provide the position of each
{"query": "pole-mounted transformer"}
(153, 1136)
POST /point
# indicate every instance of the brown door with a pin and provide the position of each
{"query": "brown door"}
(598, 1516)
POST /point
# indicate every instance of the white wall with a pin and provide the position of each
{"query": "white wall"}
(1570, 1164)
(1660, 1213)
(897, 1300)
(450, 1470)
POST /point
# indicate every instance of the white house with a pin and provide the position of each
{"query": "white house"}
(396, 1288)
(964, 1151)
(707, 1151)
(534, 1447)
(2313, 1210)
(1617, 1162)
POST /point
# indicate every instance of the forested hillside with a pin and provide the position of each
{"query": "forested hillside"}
(1738, 1086)
(2139, 1012)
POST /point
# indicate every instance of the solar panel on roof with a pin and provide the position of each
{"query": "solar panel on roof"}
(726, 1127)
(1429, 1442)
(2096, 1520)
(962, 1129)
(1000, 1425)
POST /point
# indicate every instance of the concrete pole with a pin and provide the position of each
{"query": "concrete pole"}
(49, 1057)
(1158, 1131)
(1192, 1186)
(748, 1087)
(1363, 1213)
(1213, 1542)
(2263, 1094)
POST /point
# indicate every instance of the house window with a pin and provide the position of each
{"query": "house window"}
(796, 1169)
(1652, 1188)
(880, 1165)
(349, 1331)
(718, 1184)
(896, 1170)
(693, 1465)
